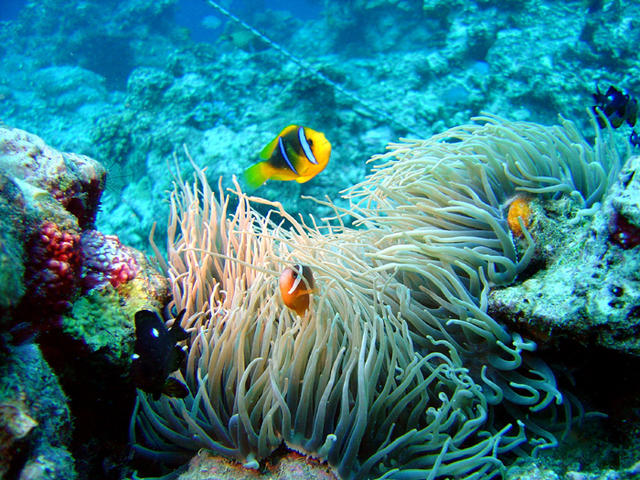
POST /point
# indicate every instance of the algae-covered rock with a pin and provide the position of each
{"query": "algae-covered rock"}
(35, 421)
(291, 466)
(102, 320)
(11, 255)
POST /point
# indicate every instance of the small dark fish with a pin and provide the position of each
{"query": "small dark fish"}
(617, 106)
(634, 138)
(156, 355)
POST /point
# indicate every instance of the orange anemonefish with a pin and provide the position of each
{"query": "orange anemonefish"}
(519, 208)
(295, 286)
(297, 153)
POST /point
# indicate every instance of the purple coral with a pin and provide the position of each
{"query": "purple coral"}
(105, 260)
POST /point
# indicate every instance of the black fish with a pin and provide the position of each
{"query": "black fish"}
(617, 106)
(156, 355)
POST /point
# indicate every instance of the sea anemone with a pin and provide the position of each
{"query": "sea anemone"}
(397, 369)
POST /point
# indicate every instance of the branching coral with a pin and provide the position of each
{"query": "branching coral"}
(396, 369)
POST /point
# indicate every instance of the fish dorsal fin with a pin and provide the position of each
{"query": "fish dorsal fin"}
(178, 333)
(266, 152)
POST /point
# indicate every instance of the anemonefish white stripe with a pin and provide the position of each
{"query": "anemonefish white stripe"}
(285, 156)
(297, 280)
(305, 146)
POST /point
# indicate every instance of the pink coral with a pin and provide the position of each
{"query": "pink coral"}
(106, 260)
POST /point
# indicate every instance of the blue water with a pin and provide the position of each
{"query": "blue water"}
(191, 13)
(9, 9)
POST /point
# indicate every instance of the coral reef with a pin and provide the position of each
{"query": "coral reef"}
(75, 181)
(290, 466)
(122, 82)
(51, 199)
(12, 267)
(429, 65)
(106, 260)
(75, 291)
(53, 270)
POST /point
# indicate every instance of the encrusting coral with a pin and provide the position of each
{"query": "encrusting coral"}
(396, 369)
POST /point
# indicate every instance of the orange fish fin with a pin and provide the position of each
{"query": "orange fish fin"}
(256, 175)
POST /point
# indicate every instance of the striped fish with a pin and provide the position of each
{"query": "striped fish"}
(297, 153)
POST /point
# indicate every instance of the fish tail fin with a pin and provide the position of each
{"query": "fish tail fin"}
(255, 175)
(175, 388)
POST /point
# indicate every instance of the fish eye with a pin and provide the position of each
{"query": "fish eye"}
(310, 142)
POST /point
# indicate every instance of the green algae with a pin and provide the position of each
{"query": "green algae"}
(99, 321)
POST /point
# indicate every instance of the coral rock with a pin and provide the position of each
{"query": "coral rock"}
(589, 292)
(53, 269)
(35, 421)
(106, 260)
(76, 181)
(15, 424)
(291, 466)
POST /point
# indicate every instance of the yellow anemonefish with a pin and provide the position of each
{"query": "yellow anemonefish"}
(297, 153)
(295, 286)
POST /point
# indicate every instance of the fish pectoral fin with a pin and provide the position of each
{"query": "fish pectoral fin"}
(176, 360)
(175, 388)
(304, 179)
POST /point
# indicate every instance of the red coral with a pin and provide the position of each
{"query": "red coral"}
(106, 260)
(55, 262)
